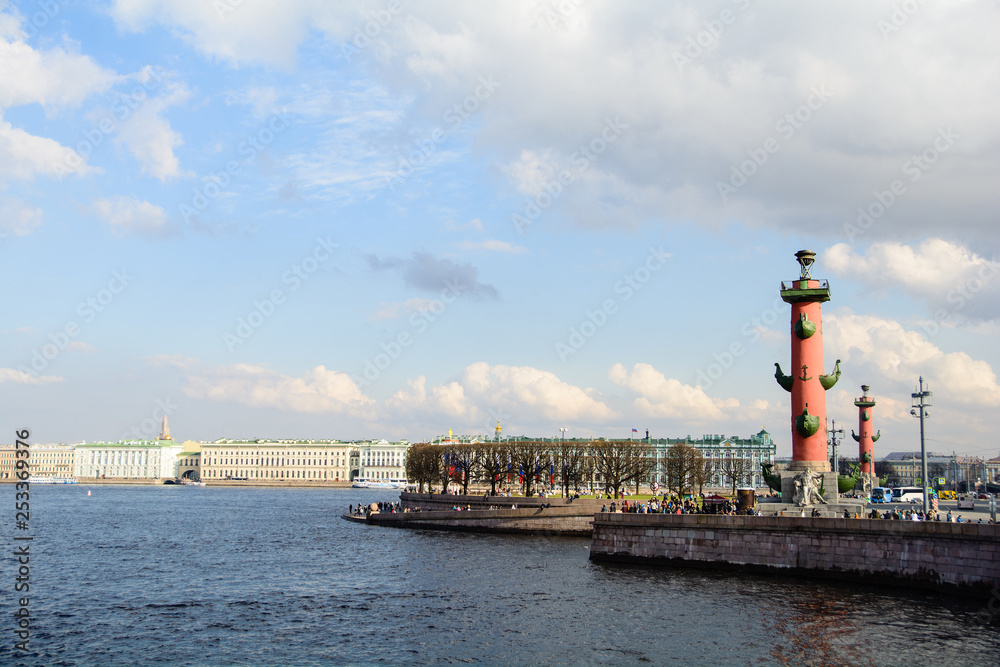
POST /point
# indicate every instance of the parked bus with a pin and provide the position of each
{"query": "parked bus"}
(881, 494)
(908, 494)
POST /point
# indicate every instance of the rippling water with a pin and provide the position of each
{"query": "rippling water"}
(222, 576)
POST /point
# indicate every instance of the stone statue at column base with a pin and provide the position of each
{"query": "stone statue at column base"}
(807, 485)
(864, 486)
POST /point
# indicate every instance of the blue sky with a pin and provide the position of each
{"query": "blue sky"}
(385, 219)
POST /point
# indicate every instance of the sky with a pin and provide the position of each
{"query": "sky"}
(306, 219)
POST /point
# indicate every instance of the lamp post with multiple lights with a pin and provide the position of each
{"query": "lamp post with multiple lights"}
(922, 401)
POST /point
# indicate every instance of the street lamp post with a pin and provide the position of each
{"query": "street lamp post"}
(835, 463)
(921, 401)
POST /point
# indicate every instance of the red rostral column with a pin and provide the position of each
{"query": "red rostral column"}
(806, 383)
(865, 439)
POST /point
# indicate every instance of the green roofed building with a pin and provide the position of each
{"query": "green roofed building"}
(128, 459)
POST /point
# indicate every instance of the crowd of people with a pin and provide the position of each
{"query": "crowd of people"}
(365, 510)
(694, 505)
(897, 514)
(673, 505)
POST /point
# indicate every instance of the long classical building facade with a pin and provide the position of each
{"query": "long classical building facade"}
(287, 461)
(127, 459)
(380, 461)
(46, 460)
(263, 460)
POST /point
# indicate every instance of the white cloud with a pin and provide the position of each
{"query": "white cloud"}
(131, 215)
(10, 22)
(446, 400)
(266, 31)
(319, 391)
(23, 156)
(532, 171)
(955, 282)
(56, 79)
(492, 245)
(53, 78)
(663, 397)
(18, 218)
(887, 97)
(149, 137)
(21, 377)
(475, 225)
(874, 350)
(529, 391)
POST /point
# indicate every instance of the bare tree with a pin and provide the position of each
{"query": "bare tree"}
(735, 470)
(493, 461)
(423, 462)
(462, 462)
(620, 462)
(445, 469)
(572, 463)
(706, 473)
(529, 459)
(642, 459)
(685, 468)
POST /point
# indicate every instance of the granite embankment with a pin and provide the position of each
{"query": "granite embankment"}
(145, 481)
(958, 557)
(490, 514)
(537, 521)
(438, 501)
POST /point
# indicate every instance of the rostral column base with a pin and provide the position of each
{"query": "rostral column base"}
(818, 466)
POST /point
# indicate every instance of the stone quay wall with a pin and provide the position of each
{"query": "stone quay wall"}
(535, 521)
(958, 557)
(437, 501)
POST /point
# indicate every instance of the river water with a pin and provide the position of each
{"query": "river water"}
(226, 576)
